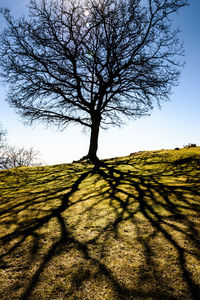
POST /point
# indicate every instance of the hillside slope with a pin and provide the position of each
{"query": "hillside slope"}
(129, 229)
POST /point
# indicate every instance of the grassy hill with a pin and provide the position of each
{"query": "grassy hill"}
(129, 229)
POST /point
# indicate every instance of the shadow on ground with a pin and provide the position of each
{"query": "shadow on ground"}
(103, 232)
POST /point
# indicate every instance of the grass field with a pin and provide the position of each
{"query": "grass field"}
(128, 229)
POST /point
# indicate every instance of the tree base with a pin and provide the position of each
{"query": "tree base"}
(88, 160)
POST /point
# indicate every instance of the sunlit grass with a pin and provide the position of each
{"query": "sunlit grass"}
(127, 229)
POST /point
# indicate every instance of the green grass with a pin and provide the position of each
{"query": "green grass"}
(126, 230)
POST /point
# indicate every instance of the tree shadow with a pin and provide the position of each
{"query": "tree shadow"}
(105, 232)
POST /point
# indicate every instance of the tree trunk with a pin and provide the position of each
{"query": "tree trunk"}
(92, 153)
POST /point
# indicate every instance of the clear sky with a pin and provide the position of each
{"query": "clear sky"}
(175, 125)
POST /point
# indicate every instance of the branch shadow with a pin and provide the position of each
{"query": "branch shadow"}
(107, 233)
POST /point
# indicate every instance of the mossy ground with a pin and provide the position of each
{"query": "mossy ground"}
(128, 229)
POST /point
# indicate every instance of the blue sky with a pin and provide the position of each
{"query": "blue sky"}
(175, 125)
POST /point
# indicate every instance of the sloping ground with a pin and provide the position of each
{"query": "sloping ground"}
(128, 229)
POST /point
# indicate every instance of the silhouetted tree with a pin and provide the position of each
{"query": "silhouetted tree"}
(90, 62)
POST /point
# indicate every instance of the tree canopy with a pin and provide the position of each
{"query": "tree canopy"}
(90, 62)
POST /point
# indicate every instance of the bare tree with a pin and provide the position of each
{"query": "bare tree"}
(3, 134)
(11, 157)
(90, 62)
